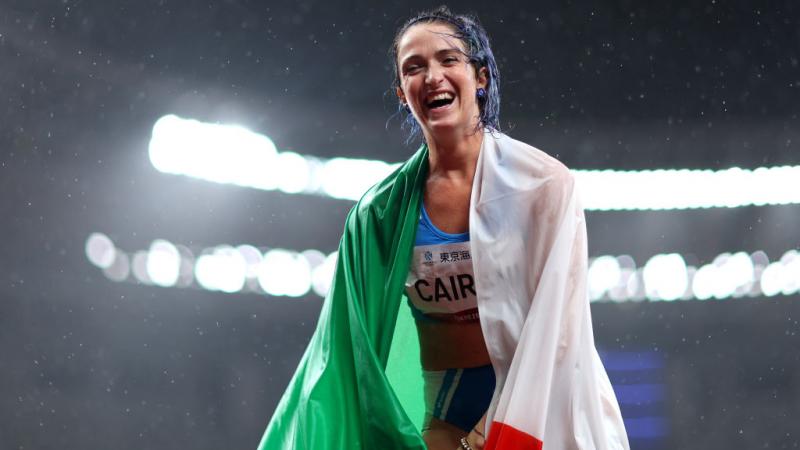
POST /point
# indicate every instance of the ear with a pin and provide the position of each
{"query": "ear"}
(400, 95)
(483, 77)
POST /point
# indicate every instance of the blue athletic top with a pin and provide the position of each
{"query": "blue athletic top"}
(440, 284)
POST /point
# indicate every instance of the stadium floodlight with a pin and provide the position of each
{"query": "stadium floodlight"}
(234, 155)
(688, 189)
(213, 152)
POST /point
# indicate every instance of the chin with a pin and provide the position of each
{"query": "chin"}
(451, 122)
(448, 126)
(441, 130)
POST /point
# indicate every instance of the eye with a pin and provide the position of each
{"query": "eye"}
(411, 69)
(450, 60)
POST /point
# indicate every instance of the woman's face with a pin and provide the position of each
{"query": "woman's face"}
(437, 81)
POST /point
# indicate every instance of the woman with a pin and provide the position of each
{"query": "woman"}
(486, 238)
(443, 83)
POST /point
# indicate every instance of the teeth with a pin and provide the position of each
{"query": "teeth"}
(442, 96)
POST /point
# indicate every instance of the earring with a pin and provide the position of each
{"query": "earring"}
(481, 94)
(405, 107)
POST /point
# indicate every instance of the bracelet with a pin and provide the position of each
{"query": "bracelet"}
(465, 445)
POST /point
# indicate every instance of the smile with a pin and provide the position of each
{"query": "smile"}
(439, 100)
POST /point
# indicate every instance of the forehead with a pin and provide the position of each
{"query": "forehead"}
(424, 37)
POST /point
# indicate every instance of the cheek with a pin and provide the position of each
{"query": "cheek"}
(466, 83)
(410, 88)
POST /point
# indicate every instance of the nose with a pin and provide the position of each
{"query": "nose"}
(434, 75)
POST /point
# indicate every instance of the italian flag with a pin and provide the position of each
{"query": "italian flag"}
(359, 382)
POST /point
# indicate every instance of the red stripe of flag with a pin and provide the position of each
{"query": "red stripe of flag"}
(506, 437)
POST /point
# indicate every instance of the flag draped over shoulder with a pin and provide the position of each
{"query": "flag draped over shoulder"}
(529, 252)
(528, 243)
(340, 397)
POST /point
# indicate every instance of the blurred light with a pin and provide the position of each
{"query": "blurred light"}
(739, 272)
(163, 263)
(347, 178)
(626, 262)
(314, 257)
(686, 189)
(213, 152)
(252, 257)
(284, 272)
(235, 155)
(280, 272)
(703, 282)
(722, 287)
(100, 250)
(293, 173)
(791, 272)
(186, 270)
(604, 274)
(760, 258)
(760, 262)
(688, 294)
(322, 275)
(224, 269)
(635, 286)
(772, 279)
(620, 291)
(120, 269)
(665, 277)
(139, 267)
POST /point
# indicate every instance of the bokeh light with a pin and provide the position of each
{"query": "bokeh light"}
(100, 250)
(665, 277)
(222, 269)
(604, 275)
(163, 263)
(283, 272)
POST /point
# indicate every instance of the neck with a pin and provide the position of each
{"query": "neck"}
(454, 156)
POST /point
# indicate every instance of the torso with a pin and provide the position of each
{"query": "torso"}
(446, 345)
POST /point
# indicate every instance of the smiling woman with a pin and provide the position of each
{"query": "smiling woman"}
(484, 237)
(463, 48)
(438, 83)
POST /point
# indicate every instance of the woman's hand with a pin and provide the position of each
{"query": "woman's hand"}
(475, 438)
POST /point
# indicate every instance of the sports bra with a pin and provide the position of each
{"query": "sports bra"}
(440, 284)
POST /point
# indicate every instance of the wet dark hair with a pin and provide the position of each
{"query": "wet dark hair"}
(468, 30)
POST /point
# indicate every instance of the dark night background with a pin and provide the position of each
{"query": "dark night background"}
(92, 364)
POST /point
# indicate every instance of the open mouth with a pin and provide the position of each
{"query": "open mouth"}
(440, 101)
